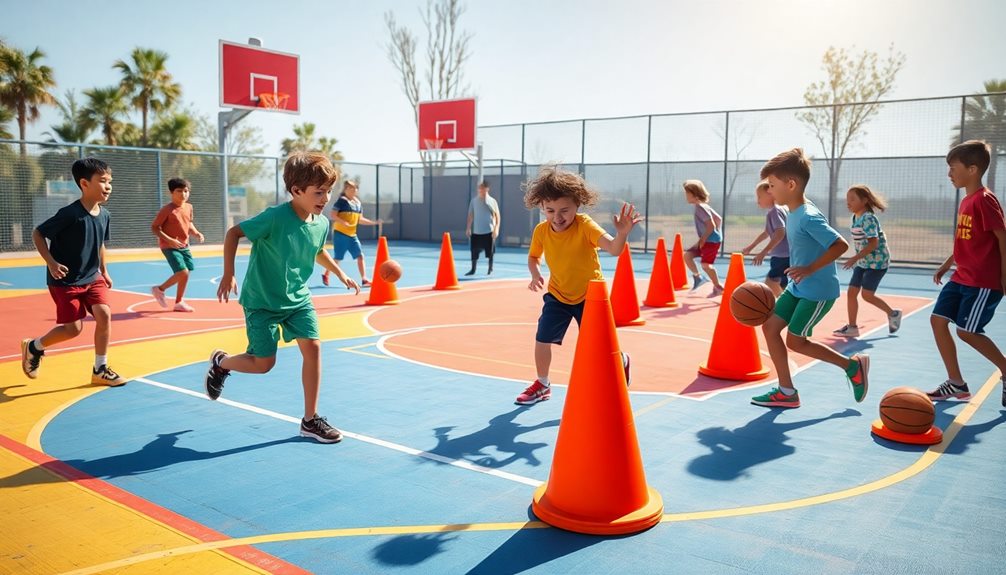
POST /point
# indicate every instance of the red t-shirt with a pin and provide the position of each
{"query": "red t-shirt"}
(976, 249)
(175, 222)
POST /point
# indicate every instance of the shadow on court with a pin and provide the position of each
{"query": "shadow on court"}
(501, 433)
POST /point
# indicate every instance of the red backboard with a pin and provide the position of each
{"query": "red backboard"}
(247, 71)
(447, 124)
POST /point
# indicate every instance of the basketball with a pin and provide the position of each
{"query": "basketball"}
(907, 410)
(752, 303)
(390, 271)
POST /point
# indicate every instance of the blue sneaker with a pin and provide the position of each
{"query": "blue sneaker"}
(697, 282)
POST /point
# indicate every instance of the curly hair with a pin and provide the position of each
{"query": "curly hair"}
(874, 201)
(553, 183)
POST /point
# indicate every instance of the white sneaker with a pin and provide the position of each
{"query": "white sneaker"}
(717, 292)
(158, 294)
(182, 306)
(847, 331)
(894, 321)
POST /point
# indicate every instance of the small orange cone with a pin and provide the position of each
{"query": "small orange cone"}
(624, 301)
(679, 275)
(660, 293)
(382, 292)
(597, 484)
(734, 352)
(447, 278)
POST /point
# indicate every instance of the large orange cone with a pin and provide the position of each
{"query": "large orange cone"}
(624, 301)
(447, 278)
(660, 293)
(679, 275)
(597, 484)
(734, 352)
(382, 292)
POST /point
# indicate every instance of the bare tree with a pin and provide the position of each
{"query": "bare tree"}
(447, 50)
(743, 136)
(843, 103)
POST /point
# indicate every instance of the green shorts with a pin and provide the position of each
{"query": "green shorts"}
(263, 328)
(179, 259)
(801, 314)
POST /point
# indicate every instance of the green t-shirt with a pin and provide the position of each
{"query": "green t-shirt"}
(284, 248)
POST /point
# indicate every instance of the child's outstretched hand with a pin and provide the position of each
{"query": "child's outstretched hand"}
(626, 218)
(351, 284)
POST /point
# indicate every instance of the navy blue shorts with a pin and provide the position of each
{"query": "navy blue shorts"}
(555, 318)
(341, 243)
(867, 279)
(777, 266)
(970, 308)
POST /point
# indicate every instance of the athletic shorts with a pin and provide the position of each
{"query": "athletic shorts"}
(970, 308)
(555, 318)
(179, 259)
(263, 328)
(777, 266)
(341, 243)
(482, 243)
(801, 314)
(75, 302)
(708, 252)
(866, 278)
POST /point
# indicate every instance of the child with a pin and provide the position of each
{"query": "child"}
(777, 247)
(813, 248)
(483, 226)
(286, 240)
(970, 297)
(172, 226)
(871, 259)
(707, 226)
(76, 271)
(348, 214)
(569, 242)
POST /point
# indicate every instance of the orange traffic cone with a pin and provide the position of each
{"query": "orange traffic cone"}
(660, 293)
(382, 292)
(624, 301)
(447, 278)
(679, 275)
(734, 352)
(597, 484)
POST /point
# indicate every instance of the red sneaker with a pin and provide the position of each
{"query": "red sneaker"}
(533, 394)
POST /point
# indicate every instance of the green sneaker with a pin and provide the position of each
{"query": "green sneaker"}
(776, 398)
(860, 382)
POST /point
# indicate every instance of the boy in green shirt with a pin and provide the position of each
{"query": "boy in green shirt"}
(287, 240)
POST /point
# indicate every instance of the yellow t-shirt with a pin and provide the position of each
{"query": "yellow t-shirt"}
(347, 215)
(571, 256)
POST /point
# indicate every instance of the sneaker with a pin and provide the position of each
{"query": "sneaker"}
(216, 375)
(625, 366)
(182, 306)
(534, 393)
(29, 359)
(325, 278)
(105, 376)
(894, 321)
(319, 430)
(847, 331)
(776, 398)
(698, 281)
(861, 381)
(158, 294)
(717, 291)
(470, 272)
(950, 390)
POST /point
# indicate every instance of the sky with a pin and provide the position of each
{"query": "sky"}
(531, 60)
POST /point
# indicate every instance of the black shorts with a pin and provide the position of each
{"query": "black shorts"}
(868, 279)
(777, 266)
(555, 318)
(480, 243)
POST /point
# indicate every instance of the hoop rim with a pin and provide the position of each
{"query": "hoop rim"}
(433, 144)
(273, 100)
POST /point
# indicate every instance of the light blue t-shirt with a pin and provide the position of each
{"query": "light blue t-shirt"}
(482, 212)
(809, 236)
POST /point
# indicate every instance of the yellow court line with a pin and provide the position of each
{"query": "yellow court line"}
(924, 462)
(355, 348)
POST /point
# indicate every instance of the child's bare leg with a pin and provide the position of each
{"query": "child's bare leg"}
(774, 285)
(310, 374)
(247, 363)
(711, 272)
(175, 278)
(542, 358)
(852, 299)
(871, 297)
(816, 350)
(102, 328)
(362, 266)
(986, 347)
(948, 349)
(777, 349)
(690, 262)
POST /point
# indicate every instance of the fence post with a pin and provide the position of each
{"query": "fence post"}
(160, 191)
(726, 160)
(646, 198)
(583, 147)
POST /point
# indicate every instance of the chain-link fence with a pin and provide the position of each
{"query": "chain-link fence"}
(897, 148)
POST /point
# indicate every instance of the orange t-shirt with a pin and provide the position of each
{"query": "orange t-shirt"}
(174, 221)
(571, 257)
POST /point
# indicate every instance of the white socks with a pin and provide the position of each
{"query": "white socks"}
(100, 360)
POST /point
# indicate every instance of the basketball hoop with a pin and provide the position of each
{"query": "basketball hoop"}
(273, 100)
(433, 145)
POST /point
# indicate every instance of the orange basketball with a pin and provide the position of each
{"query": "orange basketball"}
(907, 410)
(390, 271)
(752, 303)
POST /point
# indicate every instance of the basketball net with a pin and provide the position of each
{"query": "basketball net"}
(433, 145)
(273, 100)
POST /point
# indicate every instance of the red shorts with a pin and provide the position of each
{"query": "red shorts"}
(708, 252)
(74, 302)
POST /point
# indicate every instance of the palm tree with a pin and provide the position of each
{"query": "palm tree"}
(24, 86)
(105, 108)
(75, 128)
(174, 131)
(327, 146)
(985, 119)
(5, 116)
(305, 141)
(149, 84)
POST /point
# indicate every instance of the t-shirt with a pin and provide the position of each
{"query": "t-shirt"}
(775, 218)
(703, 214)
(865, 227)
(976, 249)
(809, 236)
(571, 256)
(284, 248)
(174, 221)
(347, 215)
(482, 214)
(75, 240)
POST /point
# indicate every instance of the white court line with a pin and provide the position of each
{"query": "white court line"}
(459, 463)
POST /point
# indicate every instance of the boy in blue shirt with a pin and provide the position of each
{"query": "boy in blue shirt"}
(813, 248)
